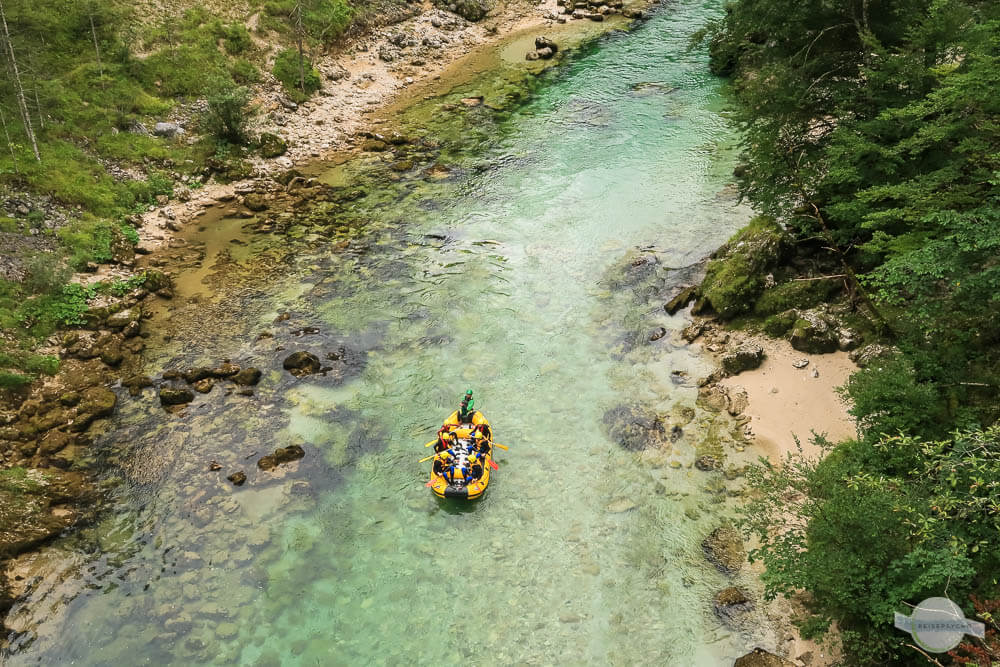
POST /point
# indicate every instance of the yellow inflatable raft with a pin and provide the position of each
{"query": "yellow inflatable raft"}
(464, 457)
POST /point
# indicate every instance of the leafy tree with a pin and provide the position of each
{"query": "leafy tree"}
(865, 542)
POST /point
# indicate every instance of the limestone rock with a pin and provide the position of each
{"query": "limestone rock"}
(814, 333)
(168, 130)
(744, 358)
(271, 145)
(123, 318)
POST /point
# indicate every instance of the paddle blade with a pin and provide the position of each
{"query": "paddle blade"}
(493, 464)
(430, 443)
(429, 484)
(503, 447)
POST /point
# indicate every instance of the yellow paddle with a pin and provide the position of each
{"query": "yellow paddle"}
(503, 447)
(428, 458)
(430, 443)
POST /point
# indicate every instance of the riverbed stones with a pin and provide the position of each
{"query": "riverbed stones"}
(302, 363)
(747, 356)
(724, 548)
(238, 478)
(279, 456)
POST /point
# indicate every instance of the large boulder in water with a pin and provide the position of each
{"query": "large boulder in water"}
(301, 363)
(724, 548)
(247, 377)
(732, 605)
(174, 396)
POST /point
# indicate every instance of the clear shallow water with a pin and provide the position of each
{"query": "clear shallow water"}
(511, 277)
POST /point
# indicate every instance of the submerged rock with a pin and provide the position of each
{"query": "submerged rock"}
(238, 478)
(732, 605)
(174, 396)
(281, 455)
(681, 299)
(724, 548)
(301, 363)
(635, 428)
(247, 377)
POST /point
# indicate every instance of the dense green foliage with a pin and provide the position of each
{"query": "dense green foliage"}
(229, 113)
(286, 70)
(872, 133)
(874, 526)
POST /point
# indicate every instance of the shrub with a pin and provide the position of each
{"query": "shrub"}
(10, 380)
(286, 70)
(45, 273)
(236, 39)
(229, 113)
(244, 71)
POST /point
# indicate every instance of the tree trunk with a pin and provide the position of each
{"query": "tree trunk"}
(25, 116)
(10, 144)
(302, 57)
(97, 49)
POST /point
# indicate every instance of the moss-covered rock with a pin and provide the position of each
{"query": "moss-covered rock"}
(814, 333)
(734, 279)
(780, 324)
(800, 294)
(271, 145)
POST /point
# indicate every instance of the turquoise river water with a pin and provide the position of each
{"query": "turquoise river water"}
(527, 255)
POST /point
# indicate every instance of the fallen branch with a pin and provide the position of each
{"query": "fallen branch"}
(836, 275)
